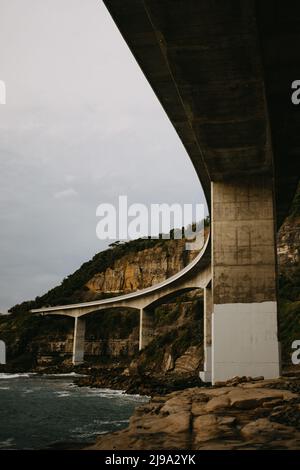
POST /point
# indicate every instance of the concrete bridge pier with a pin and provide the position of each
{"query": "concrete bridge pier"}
(146, 328)
(205, 375)
(244, 319)
(2, 352)
(78, 341)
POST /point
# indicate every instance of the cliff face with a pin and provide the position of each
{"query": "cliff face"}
(288, 240)
(142, 269)
(288, 244)
(178, 337)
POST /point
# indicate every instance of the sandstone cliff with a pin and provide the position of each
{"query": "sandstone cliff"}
(138, 270)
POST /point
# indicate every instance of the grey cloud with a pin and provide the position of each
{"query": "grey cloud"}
(81, 126)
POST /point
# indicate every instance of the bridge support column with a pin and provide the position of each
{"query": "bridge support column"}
(205, 375)
(146, 328)
(244, 319)
(78, 341)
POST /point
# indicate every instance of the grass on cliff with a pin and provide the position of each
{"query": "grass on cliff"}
(289, 311)
(295, 207)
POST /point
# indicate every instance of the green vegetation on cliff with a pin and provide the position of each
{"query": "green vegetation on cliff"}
(69, 291)
(289, 310)
(295, 208)
(289, 280)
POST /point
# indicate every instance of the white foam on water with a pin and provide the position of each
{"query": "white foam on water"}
(28, 390)
(117, 421)
(62, 394)
(89, 434)
(69, 374)
(7, 443)
(5, 376)
(103, 392)
(110, 393)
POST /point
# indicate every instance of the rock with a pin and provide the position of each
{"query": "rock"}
(272, 403)
(176, 404)
(220, 384)
(288, 414)
(217, 391)
(265, 430)
(229, 417)
(288, 242)
(218, 403)
(190, 360)
(248, 399)
(268, 383)
(210, 427)
(232, 382)
(168, 362)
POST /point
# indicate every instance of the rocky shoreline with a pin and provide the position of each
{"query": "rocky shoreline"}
(184, 413)
(142, 384)
(117, 378)
(243, 413)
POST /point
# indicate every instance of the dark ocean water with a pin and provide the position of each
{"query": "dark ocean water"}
(37, 412)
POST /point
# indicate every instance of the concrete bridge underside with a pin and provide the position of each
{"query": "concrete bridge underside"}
(223, 72)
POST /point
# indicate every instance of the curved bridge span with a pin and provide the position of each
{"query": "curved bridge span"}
(196, 274)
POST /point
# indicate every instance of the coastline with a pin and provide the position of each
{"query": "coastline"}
(183, 413)
(241, 414)
(112, 376)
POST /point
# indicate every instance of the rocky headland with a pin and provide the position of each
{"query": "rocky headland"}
(243, 413)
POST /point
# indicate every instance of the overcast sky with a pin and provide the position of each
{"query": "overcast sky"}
(81, 126)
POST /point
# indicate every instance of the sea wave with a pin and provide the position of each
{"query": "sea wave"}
(67, 374)
(62, 394)
(6, 376)
(88, 434)
(116, 421)
(111, 393)
(8, 443)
